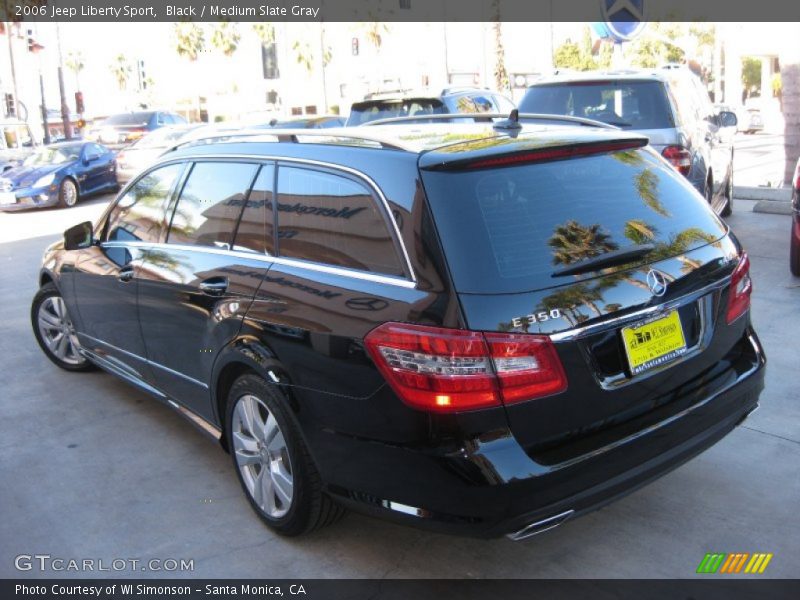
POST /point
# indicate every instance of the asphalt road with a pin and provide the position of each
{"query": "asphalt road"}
(758, 159)
(93, 469)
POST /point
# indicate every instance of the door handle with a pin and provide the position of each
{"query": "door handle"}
(126, 273)
(214, 286)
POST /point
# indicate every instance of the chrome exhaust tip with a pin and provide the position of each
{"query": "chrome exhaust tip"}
(540, 526)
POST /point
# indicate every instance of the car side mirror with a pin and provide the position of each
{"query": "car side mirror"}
(727, 119)
(91, 158)
(79, 236)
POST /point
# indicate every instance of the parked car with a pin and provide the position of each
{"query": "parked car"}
(59, 174)
(470, 328)
(16, 143)
(310, 122)
(407, 104)
(119, 130)
(670, 106)
(749, 118)
(794, 249)
(133, 158)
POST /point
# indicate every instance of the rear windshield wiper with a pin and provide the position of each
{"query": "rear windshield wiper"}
(609, 259)
(619, 123)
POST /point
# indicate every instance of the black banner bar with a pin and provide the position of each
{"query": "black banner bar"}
(713, 588)
(148, 11)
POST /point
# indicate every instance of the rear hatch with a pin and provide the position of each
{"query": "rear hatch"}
(601, 245)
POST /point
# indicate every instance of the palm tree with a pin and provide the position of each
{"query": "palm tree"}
(374, 32)
(573, 242)
(189, 40)
(790, 81)
(265, 32)
(304, 55)
(500, 73)
(225, 37)
(121, 69)
(75, 64)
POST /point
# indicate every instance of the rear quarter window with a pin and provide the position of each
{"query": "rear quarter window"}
(507, 230)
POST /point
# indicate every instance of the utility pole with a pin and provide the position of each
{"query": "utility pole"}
(65, 120)
(9, 25)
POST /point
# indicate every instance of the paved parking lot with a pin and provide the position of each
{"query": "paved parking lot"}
(92, 468)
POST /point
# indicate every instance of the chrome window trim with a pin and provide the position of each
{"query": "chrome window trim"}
(270, 260)
(639, 315)
(262, 158)
(146, 360)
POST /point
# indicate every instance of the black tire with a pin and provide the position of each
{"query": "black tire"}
(310, 507)
(47, 296)
(68, 193)
(794, 253)
(727, 210)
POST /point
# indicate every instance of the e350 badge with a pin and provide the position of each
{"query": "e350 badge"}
(538, 317)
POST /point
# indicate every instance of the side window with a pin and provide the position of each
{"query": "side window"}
(210, 203)
(139, 214)
(334, 220)
(255, 231)
(482, 104)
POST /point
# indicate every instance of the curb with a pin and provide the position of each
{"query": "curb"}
(763, 193)
(773, 208)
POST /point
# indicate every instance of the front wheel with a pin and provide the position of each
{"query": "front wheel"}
(55, 332)
(67, 193)
(272, 462)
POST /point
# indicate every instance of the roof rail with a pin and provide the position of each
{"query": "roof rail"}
(289, 135)
(478, 117)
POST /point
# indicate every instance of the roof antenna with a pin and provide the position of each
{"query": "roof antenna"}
(511, 124)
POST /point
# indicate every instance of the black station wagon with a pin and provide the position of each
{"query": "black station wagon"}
(476, 328)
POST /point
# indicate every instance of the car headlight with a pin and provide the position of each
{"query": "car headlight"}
(45, 180)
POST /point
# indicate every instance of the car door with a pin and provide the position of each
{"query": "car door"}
(195, 288)
(96, 167)
(105, 281)
(339, 274)
(720, 145)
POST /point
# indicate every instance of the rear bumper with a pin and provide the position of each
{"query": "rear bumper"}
(489, 486)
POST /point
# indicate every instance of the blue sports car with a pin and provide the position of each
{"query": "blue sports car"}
(59, 174)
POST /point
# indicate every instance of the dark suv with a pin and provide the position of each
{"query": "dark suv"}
(451, 100)
(476, 329)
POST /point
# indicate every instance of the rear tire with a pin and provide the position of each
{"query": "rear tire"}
(54, 331)
(67, 193)
(794, 247)
(272, 462)
(727, 210)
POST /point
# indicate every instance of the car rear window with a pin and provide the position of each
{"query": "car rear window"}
(627, 104)
(128, 119)
(364, 112)
(508, 229)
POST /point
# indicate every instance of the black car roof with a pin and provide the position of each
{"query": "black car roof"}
(430, 143)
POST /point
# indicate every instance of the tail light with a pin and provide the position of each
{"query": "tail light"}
(797, 176)
(679, 157)
(741, 288)
(451, 370)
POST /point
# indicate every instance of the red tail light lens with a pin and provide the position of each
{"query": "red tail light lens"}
(451, 370)
(679, 157)
(741, 288)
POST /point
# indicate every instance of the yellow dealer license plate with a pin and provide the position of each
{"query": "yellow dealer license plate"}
(654, 342)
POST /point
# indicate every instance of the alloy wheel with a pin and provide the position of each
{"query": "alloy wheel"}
(58, 332)
(69, 193)
(262, 456)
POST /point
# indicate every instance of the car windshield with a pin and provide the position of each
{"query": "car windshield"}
(160, 138)
(53, 155)
(372, 110)
(626, 104)
(128, 119)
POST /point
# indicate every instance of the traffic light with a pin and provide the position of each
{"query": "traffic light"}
(354, 46)
(31, 41)
(11, 109)
(79, 103)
